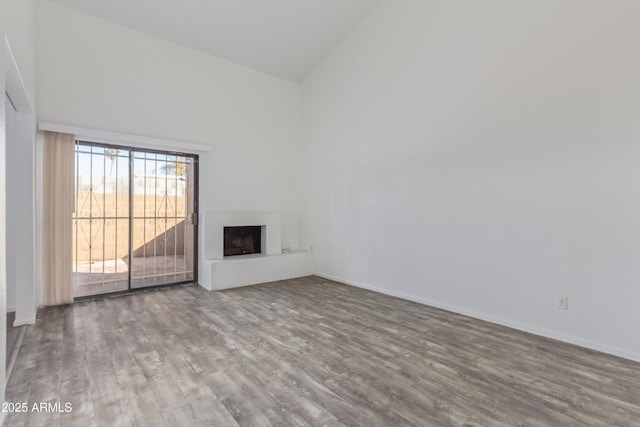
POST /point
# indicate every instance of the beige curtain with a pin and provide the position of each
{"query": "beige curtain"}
(58, 195)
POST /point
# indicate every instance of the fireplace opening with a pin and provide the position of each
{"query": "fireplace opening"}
(242, 240)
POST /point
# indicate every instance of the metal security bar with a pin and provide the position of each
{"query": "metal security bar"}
(132, 222)
(100, 219)
(162, 237)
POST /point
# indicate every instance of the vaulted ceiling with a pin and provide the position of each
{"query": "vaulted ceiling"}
(284, 38)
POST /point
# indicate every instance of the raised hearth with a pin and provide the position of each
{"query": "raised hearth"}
(227, 265)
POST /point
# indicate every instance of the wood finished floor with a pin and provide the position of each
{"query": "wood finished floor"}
(12, 336)
(14, 341)
(306, 352)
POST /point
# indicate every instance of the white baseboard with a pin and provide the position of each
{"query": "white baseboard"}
(497, 320)
(21, 322)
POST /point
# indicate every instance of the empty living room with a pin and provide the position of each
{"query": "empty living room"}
(320, 213)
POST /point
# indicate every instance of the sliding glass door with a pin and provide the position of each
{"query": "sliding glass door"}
(135, 219)
(163, 212)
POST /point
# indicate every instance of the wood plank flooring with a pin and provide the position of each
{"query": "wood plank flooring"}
(12, 335)
(15, 336)
(306, 352)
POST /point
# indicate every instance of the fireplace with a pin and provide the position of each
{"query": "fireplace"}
(211, 242)
(242, 240)
(217, 271)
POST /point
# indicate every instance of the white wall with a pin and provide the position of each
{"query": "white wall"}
(20, 29)
(100, 75)
(3, 245)
(484, 157)
(11, 234)
(17, 25)
(21, 35)
(20, 201)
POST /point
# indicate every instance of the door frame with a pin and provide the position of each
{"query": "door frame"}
(28, 256)
(196, 202)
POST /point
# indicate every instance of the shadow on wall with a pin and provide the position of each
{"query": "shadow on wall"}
(171, 242)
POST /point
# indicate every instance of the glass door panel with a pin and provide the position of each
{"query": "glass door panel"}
(163, 240)
(101, 221)
(132, 225)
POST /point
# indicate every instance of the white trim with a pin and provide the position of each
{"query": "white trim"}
(499, 321)
(106, 137)
(22, 322)
(25, 224)
(13, 80)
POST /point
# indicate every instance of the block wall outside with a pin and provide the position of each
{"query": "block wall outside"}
(159, 225)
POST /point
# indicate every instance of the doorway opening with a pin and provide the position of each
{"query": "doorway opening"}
(135, 219)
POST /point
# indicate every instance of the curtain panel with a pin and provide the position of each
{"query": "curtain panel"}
(58, 202)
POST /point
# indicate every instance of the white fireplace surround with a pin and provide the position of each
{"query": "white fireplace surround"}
(217, 272)
(215, 222)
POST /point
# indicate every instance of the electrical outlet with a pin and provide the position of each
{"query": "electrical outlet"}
(563, 303)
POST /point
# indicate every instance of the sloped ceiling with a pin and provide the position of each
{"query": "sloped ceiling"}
(284, 38)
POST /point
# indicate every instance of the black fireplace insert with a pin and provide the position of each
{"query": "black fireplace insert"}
(242, 240)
